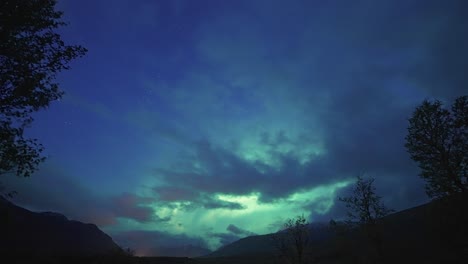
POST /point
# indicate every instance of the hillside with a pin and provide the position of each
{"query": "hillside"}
(424, 233)
(49, 234)
(263, 245)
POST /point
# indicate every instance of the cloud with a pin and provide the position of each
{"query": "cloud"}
(217, 170)
(128, 205)
(235, 233)
(321, 101)
(366, 91)
(224, 238)
(239, 231)
(214, 204)
(195, 198)
(172, 193)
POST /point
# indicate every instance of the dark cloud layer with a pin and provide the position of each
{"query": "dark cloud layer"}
(129, 206)
(225, 172)
(234, 233)
(196, 198)
(378, 54)
(239, 231)
(224, 238)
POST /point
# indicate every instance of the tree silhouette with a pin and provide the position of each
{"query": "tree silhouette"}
(31, 54)
(438, 141)
(364, 205)
(292, 241)
(365, 208)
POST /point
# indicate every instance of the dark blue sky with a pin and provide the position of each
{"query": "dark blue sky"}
(188, 121)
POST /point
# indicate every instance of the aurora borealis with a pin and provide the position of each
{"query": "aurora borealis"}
(201, 122)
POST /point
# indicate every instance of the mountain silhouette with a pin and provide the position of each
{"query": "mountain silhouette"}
(422, 234)
(263, 245)
(49, 234)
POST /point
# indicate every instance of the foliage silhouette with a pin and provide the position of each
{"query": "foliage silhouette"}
(438, 141)
(31, 54)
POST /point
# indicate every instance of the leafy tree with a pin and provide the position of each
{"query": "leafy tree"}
(438, 141)
(292, 241)
(31, 55)
(365, 207)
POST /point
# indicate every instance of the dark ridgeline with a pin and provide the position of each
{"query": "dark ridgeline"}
(26, 233)
(423, 234)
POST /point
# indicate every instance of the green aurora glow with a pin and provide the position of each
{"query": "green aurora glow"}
(255, 216)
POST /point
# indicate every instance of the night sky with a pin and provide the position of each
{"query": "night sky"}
(200, 122)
